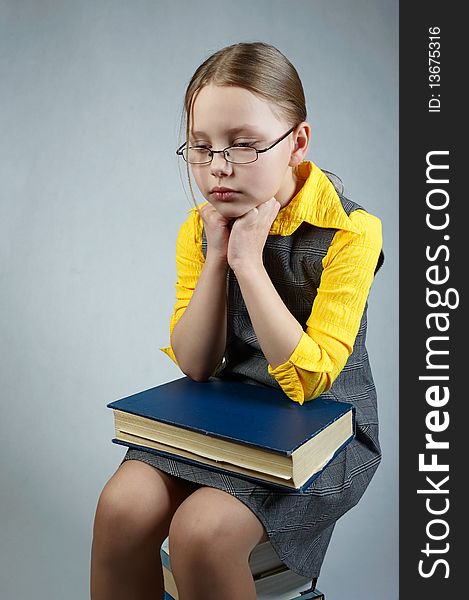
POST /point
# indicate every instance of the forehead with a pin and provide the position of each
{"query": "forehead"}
(229, 109)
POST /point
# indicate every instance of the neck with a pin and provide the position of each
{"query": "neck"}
(288, 190)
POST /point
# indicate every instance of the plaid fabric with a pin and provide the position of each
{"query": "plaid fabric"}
(299, 525)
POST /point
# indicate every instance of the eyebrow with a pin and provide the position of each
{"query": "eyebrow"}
(242, 128)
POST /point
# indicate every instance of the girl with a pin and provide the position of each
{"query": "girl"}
(273, 275)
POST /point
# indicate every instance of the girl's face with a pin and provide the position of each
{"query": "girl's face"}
(217, 111)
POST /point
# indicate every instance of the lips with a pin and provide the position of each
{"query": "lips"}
(222, 193)
(221, 190)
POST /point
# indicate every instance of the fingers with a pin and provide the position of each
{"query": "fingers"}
(209, 213)
(267, 211)
(206, 209)
(272, 202)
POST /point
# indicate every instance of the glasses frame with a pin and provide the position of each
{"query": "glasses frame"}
(181, 148)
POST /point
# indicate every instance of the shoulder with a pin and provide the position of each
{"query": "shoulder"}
(189, 239)
(359, 245)
(190, 231)
(369, 228)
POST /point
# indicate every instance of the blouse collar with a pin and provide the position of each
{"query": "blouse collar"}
(317, 202)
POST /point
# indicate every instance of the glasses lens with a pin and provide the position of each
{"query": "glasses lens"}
(240, 154)
(195, 155)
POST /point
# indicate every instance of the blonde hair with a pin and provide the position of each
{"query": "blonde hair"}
(258, 67)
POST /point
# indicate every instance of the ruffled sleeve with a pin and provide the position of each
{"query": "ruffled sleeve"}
(331, 329)
(189, 262)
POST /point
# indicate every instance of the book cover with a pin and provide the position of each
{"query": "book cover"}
(250, 430)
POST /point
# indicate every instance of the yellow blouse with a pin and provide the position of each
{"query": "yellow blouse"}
(348, 271)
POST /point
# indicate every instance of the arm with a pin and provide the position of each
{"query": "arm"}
(198, 323)
(277, 338)
(308, 367)
(199, 337)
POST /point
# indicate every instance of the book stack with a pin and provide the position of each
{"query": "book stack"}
(250, 431)
(273, 580)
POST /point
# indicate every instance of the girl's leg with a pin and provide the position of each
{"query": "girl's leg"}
(210, 539)
(132, 519)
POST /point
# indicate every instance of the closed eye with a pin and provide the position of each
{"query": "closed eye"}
(243, 145)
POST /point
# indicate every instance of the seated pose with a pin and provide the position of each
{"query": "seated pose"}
(273, 275)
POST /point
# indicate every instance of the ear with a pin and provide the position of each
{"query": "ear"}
(301, 136)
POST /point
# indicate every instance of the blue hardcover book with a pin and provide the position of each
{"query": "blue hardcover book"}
(251, 431)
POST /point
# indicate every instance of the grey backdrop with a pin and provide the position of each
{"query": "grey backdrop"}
(91, 201)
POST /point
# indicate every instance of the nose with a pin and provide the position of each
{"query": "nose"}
(220, 166)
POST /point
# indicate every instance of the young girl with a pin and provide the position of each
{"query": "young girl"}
(273, 275)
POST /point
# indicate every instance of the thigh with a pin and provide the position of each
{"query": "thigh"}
(153, 484)
(140, 499)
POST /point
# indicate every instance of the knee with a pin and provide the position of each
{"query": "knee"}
(197, 534)
(129, 511)
(203, 535)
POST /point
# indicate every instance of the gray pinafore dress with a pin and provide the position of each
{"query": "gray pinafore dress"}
(299, 525)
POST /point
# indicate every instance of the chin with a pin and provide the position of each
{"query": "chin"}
(232, 212)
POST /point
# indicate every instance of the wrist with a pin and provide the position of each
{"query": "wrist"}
(247, 267)
(216, 261)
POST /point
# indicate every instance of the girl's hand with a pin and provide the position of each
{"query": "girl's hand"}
(216, 230)
(249, 234)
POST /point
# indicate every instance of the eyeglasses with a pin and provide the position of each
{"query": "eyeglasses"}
(239, 154)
